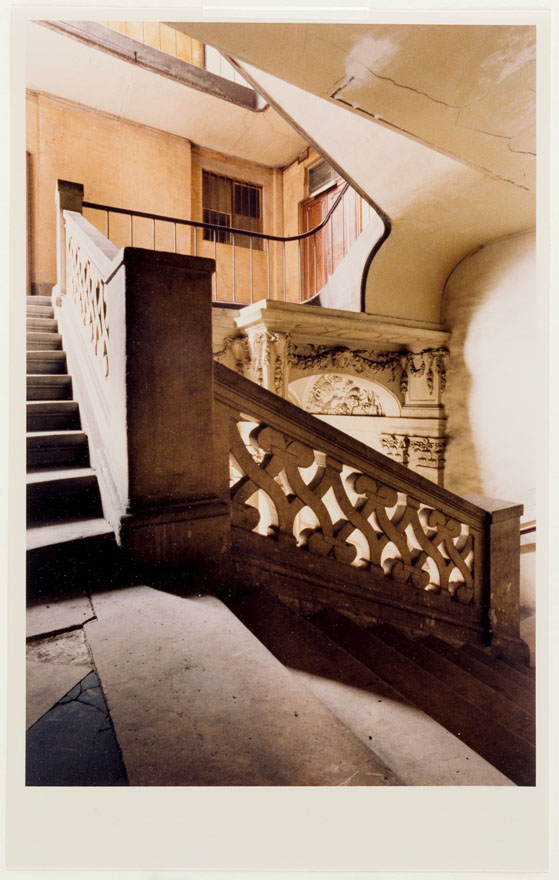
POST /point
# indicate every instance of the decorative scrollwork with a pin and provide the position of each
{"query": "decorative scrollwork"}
(341, 395)
(323, 357)
(303, 497)
(87, 289)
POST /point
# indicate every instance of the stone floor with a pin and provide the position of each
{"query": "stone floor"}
(74, 742)
(70, 736)
(157, 657)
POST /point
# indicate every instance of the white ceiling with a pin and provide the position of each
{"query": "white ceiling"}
(466, 91)
(61, 66)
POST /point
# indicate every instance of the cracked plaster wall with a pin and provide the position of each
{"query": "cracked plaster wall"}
(440, 209)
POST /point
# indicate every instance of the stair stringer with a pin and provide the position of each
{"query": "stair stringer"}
(95, 415)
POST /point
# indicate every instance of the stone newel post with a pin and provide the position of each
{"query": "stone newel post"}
(177, 491)
(68, 197)
(503, 559)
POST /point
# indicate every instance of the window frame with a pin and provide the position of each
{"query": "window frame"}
(242, 238)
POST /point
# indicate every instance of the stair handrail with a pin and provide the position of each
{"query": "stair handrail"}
(452, 558)
(133, 347)
(213, 227)
(312, 274)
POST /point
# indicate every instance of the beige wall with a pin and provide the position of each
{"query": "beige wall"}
(492, 383)
(119, 162)
(270, 181)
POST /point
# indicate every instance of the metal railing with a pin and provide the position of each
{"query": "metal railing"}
(249, 265)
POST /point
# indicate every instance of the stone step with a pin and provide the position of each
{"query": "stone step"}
(39, 311)
(53, 415)
(523, 675)
(404, 737)
(500, 708)
(56, 448)
(195, 699)
(495, 679)
(42, 341)
(66, 531)
(64, 555)
(509, 753)
(42, 325)
(49, 387)
(46, 362)
(59, 494)
(38, 300)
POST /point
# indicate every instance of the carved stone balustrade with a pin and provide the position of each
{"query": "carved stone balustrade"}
(371, 378)
(137, 331)
(326, 520)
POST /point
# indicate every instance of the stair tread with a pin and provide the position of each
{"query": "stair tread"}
(523, 675)
(68, 437)
(59, 474)
(41, 325)
(501, 708)
(39, 300)
(404, 737)
(216, 707)
(52, 405)
(64, 531)
(522, 696)
(511, 754)
(45, 378)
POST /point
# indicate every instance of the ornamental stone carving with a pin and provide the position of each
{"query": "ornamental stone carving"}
(341, 395)
(269, 357)
(313, 358)
(240, 352)
(395, 446)
(428, 363)
(427, 451)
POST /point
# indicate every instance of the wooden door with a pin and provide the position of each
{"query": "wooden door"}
(320, 253)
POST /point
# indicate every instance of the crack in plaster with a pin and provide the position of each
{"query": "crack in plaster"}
(344, 82)
(417, 91)
(438, 149)
(522, 152)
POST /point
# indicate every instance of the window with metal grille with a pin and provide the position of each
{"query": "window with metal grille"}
(232, 203)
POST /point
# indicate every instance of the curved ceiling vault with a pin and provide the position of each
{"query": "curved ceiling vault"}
(435, 123)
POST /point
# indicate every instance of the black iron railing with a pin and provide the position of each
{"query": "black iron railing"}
(249, 265)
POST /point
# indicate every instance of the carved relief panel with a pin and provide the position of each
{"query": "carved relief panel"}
(335, 394)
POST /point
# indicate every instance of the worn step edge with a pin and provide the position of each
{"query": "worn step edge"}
(419, 749)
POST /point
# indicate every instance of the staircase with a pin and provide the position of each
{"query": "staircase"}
(249, 692)
(420, 688)
(63, 499)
